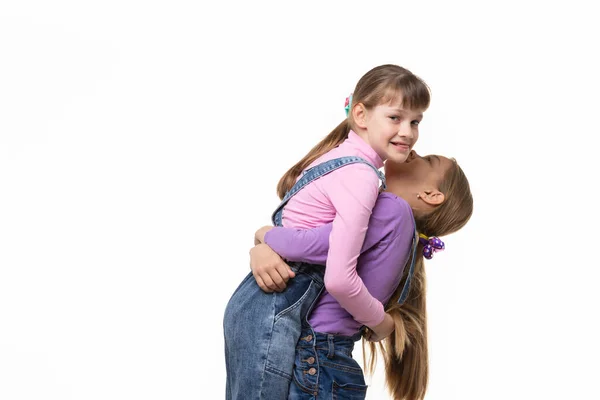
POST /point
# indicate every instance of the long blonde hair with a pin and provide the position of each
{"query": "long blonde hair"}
(405, 352)
(380, 85)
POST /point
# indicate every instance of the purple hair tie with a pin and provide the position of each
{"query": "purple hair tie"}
(431, 245)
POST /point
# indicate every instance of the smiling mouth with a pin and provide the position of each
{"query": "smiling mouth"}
(401, 146)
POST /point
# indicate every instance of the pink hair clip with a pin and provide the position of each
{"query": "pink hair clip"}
(348, 104)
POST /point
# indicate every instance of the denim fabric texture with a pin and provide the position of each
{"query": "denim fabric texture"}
(324, 368)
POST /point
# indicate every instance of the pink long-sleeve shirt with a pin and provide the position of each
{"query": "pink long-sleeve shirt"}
(345, 197)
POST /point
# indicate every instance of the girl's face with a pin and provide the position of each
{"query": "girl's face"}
(418, 176)
(389, 129)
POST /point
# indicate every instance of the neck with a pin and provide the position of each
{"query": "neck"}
(363, 134)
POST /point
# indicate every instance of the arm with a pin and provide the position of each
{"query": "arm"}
(353, 191)
(381, 266)
(304, 245)
(307, 245)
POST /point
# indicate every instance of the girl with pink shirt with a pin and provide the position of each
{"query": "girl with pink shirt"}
(337, 182)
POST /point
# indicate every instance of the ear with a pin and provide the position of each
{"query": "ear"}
(433, 197)
(359, 115)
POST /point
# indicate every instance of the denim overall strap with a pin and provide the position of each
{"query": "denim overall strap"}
(406, 287)
(315, 173)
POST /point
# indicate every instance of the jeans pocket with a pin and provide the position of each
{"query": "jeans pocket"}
(348, 391)
(291, 308)
(299, 295)
(347, 378)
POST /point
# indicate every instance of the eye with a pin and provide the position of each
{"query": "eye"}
(415, 122)
(395, 118)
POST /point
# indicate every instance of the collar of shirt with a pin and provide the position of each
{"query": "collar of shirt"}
(363, 148)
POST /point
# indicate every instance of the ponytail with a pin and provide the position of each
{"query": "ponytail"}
(405, 352)
(334, 139)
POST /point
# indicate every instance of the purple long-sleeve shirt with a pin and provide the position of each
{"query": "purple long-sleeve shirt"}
(384, 253)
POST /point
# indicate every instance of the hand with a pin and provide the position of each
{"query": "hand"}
(259, 236)
(381, 331)
(269, 269)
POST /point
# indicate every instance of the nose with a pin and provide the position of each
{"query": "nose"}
(411, 156)
(406, 131)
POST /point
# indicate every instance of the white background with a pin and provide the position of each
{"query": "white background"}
(140, 147)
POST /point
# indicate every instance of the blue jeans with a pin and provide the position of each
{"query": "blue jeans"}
(324, 368)
(261, 332)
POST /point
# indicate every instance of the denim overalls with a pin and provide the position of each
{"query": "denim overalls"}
(262, 329)
(324, 368)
